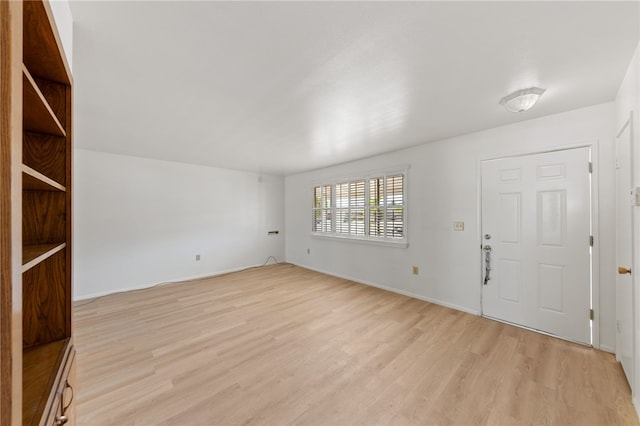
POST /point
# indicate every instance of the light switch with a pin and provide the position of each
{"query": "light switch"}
(458, 226)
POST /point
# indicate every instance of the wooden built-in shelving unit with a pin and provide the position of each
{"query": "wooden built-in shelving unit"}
(37, 65)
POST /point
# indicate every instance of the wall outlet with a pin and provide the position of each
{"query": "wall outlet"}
(308, 251)
(458, 226)
(415, 270)
(197, 257)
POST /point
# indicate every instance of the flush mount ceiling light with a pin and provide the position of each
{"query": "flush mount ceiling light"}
(521, 100)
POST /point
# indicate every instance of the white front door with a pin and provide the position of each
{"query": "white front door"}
(624, 234)
(536, 214)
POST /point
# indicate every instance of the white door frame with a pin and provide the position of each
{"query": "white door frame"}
(595, 250)
(628, 124)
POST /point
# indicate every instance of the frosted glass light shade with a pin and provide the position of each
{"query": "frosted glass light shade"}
(522, 100)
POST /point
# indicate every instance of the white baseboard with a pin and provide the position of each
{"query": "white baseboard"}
(607, 348)
(395, 290)
(176, 280)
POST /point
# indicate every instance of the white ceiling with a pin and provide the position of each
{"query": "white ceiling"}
(283, 87)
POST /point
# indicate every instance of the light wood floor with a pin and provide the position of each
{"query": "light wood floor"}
(283, 345)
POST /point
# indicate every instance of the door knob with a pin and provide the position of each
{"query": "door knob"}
(622, 270)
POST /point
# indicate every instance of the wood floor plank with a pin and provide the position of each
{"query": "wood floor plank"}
(283, 345)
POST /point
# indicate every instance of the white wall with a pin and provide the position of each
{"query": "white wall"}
(628, 102)
(139, 222)
(64, 22)
(443, 188)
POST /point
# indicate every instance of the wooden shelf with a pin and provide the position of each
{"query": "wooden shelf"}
(37, 114)
(41, 368)
(42, 51)
(35, 254)
(33, 180)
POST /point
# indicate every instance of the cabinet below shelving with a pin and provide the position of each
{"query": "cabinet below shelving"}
(43, 370)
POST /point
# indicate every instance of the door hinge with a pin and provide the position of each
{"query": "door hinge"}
(590, 167)
(591, 240)
(591, 314)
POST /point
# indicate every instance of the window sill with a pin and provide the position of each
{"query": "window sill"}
(371, 241)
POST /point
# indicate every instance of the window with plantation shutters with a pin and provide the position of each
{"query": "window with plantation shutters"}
(371, 208)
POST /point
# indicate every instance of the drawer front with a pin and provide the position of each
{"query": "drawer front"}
(63, 410)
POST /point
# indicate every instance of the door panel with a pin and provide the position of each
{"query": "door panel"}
(537, 211)
(552, 215)
(509, 280)
(551, 287)
(510, 218)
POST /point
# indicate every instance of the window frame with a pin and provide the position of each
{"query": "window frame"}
(337, 232)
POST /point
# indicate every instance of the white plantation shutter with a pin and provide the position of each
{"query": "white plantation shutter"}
(394, 214)
(350, 208)
(356, 207)
(322, 208)
(342, 208)
(376, 207)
